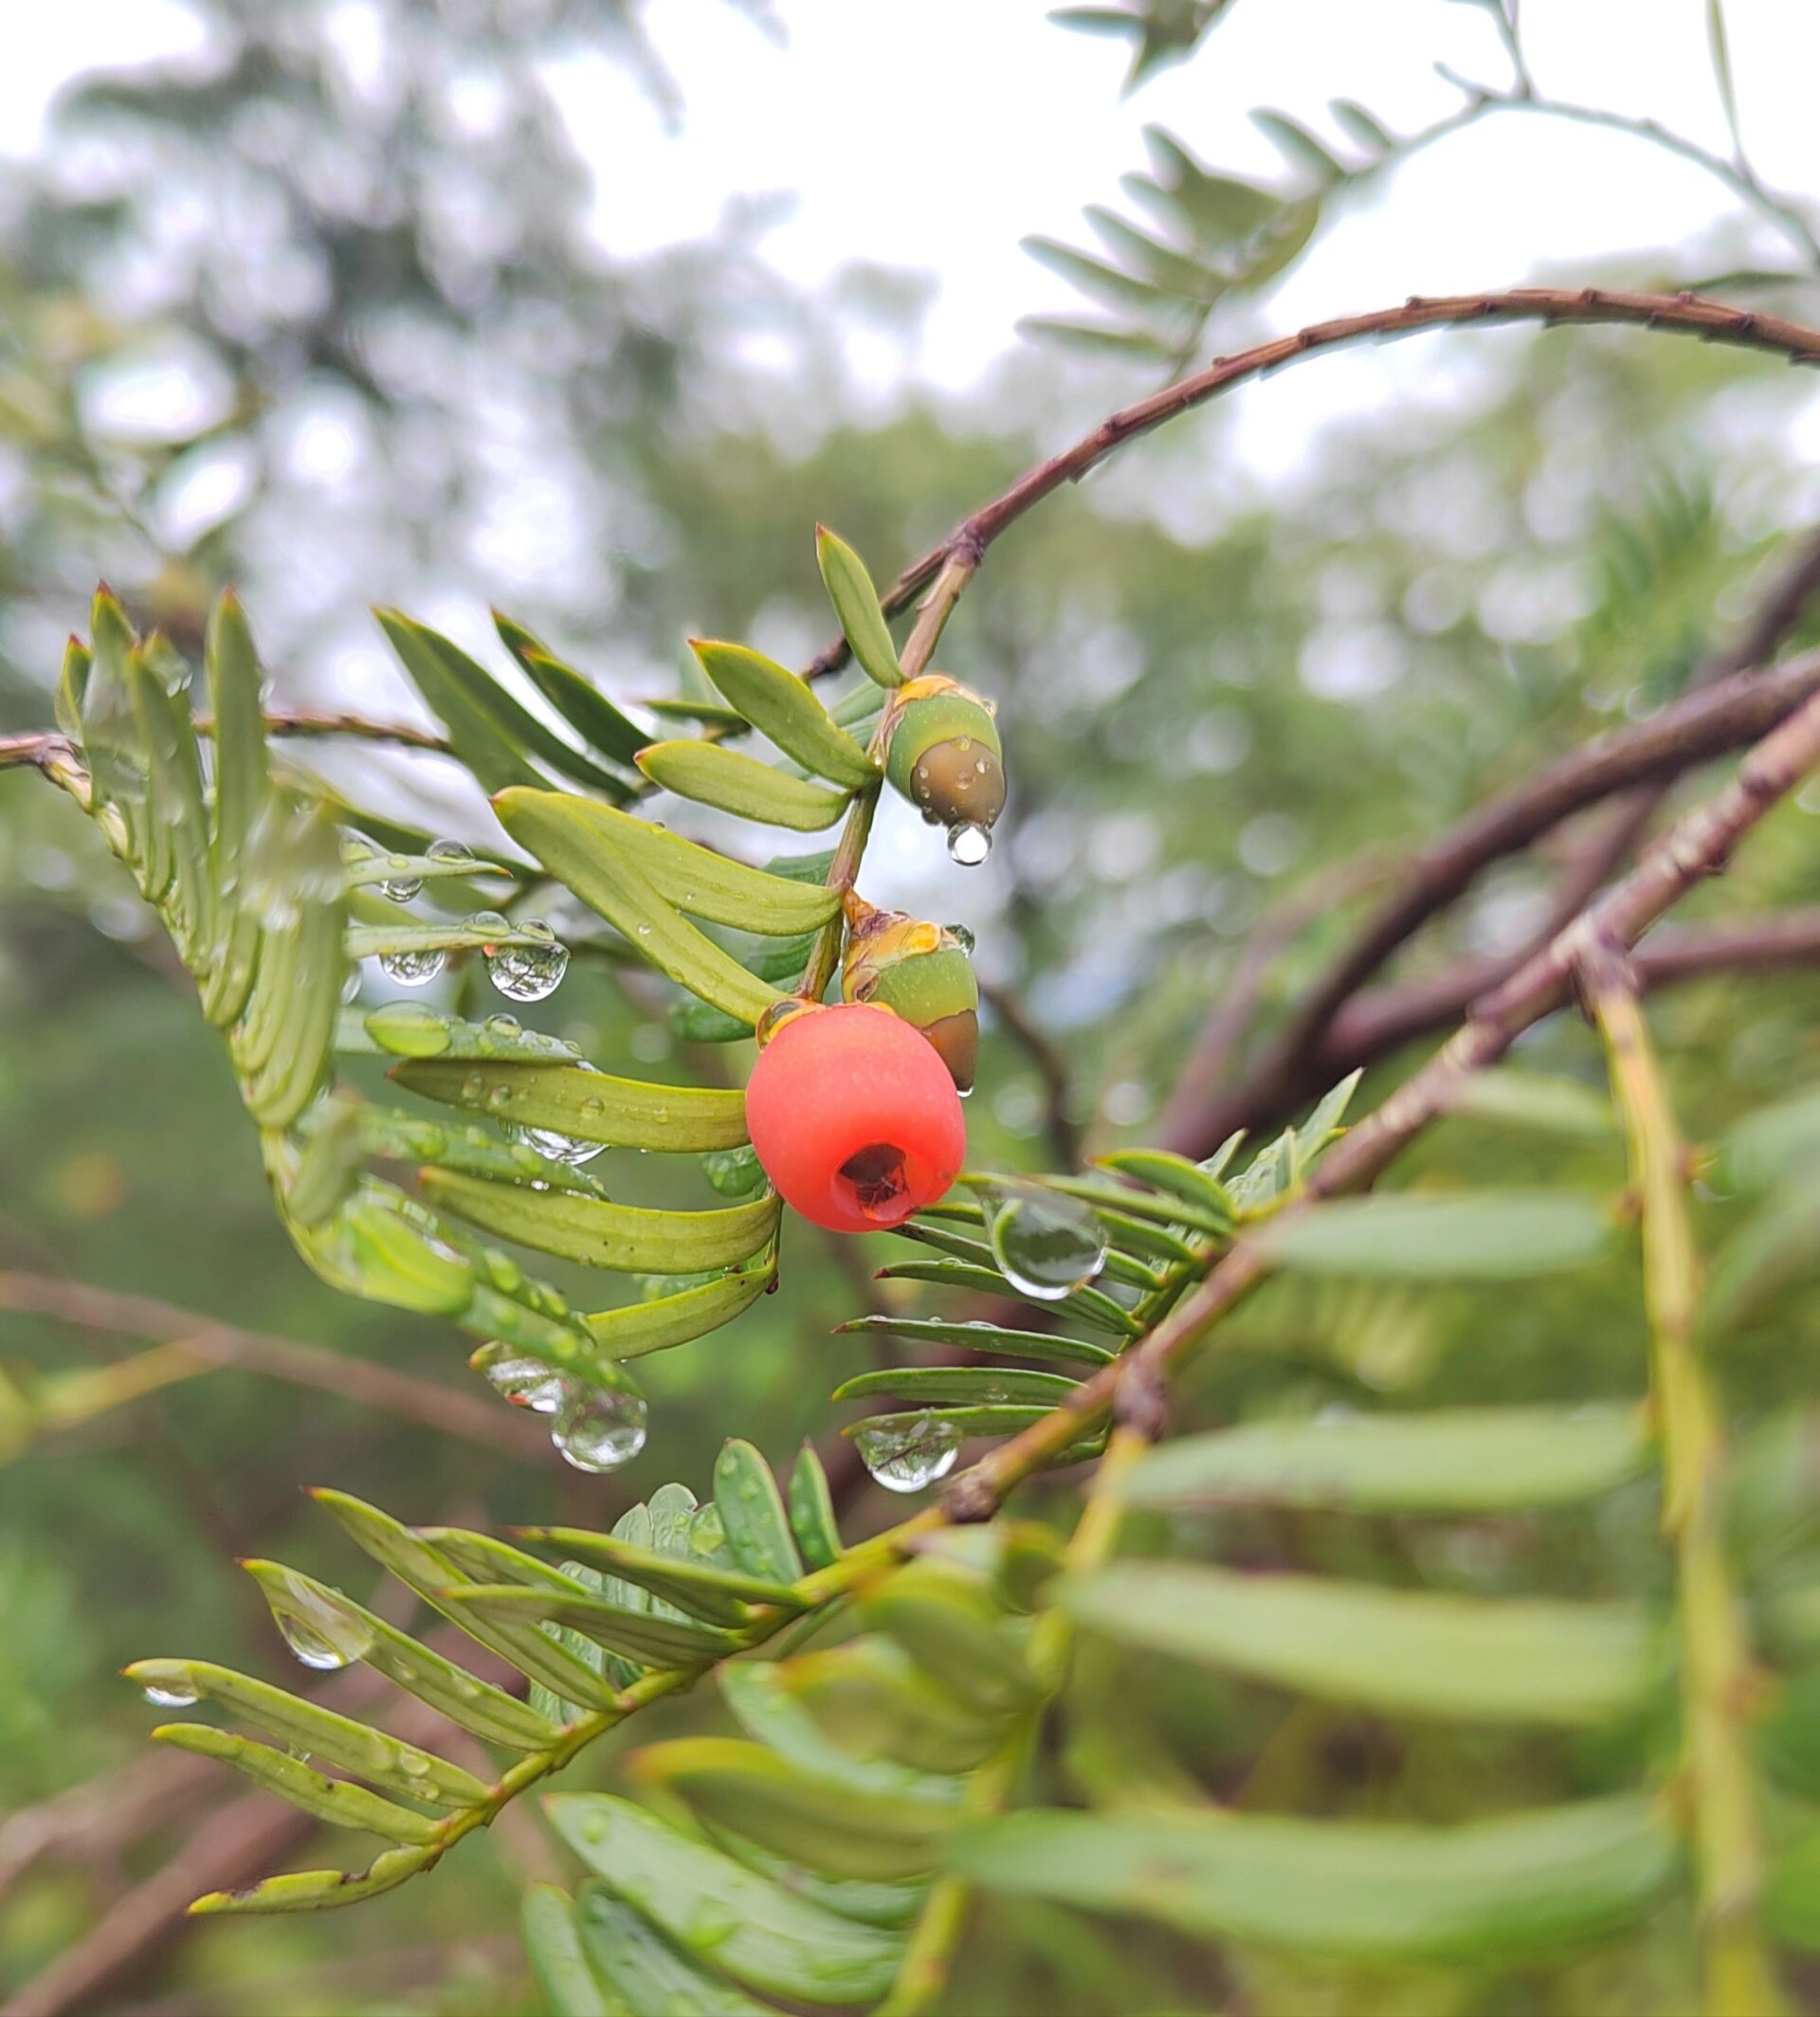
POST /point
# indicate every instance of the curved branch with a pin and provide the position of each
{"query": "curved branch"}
(1685, 313)
(1706, 724)
(1698, 845)
(209, 1343)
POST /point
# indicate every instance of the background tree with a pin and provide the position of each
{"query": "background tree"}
(401, 367)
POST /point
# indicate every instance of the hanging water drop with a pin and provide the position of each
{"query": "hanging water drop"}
(962, 938)
(598, 1428)
(319, 1636)
(1049, 1245)
(525, 1382)
(908, 1456)
(969, 845)
(401, 885)
(528, 973)
(170, 1694)
(414, 968)
(563, 1148)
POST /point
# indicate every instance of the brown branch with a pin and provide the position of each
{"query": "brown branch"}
(1722, 716)
(44, 747)
(1687, 313)
(1381, 1020)
(240, 1843)
(1696, 846)
(439, 1408)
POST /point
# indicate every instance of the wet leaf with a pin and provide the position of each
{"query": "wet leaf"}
(583, 1105)
(756, 1931)
(316, 1731)
(546, 824)
(752, 1511)
(828, 1824)
(783, 706)
(733, 783)
(332, 1800)
(636, 1328)
(626, 1238)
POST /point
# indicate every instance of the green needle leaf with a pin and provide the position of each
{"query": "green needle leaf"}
(741, 785)
(856, 603)
(584, 1105)
(779, 704)
(1373, 1892)
(624, 1238)
(761, 1935)
(545, 823)
(315, 1792)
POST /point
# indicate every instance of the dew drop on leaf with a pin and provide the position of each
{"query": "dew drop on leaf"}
(906, 1456)
(451, 852)
(402, 887)
(598, 1428)
(525, 1382)
(170, 1695)
(412, 969)
(1046, 1244)
(529, 973)
(962, 938)
(969, 845)
(312, 1647)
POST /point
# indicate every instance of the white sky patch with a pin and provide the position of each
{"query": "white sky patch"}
(933, 134)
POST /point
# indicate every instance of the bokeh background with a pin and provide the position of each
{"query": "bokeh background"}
(592, 311)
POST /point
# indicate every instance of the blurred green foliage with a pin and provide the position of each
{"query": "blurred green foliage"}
(381, 359)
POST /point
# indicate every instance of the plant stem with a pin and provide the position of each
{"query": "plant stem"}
(843, 871)
(1683, 313)
(929, 1956)
(1715, 1671)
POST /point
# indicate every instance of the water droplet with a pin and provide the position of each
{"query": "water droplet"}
(412, 969)
(170, 1694)
(411, 1030)
(320, 1635)
(402, 887)
(962, 936)
(528, 973)
(311, 1648)
(504, 1025)
(598, 1428)
(906, 1456)
(488, 922)
(498, 1096)
(449, 851)
(969, 845)
(709, 1925)
(415, 1764)
(351, 987)
(1047, 1243)
(644, 931)
(525, 1382)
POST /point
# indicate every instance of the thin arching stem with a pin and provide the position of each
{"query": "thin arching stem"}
(1684, 314)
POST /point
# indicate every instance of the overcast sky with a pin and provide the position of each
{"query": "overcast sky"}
(933, 134)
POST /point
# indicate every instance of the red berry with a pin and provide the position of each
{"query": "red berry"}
(854, 1117)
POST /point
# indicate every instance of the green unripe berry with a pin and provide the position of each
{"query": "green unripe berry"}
(920, 973)
(943, 752)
